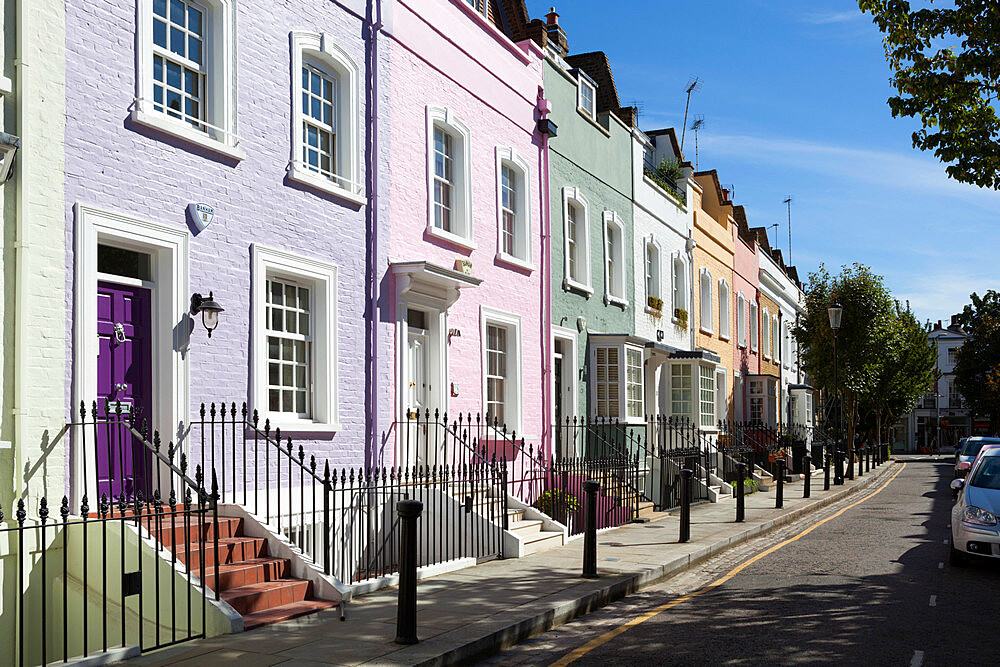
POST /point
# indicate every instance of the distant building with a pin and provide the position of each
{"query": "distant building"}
(940, 417)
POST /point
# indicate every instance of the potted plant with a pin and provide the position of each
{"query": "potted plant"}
(681, 316)
(655, 304)
(558, 504)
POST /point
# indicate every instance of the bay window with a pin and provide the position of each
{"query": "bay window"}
(706, 395)
(617, 380)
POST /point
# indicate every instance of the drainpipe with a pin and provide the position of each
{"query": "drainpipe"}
(373, 20)
(545, 302)
(20, 247)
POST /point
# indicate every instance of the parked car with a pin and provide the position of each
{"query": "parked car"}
(975, 527)
(968, 452)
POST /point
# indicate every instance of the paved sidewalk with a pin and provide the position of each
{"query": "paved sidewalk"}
(474, 612)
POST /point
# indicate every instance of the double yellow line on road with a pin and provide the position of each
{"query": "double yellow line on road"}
(578, 653)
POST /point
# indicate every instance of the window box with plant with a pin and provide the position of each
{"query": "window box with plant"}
(681, 317)
(655, 304)
(666, 175)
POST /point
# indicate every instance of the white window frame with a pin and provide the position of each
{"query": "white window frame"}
(724, 309)
(775, 338)
(585, 82)
(522, 256)
(630, 352)
(765, 333)
(462, 210)
(324, 288)
(219, 94)
(706, 419)
(611, 220)
(345, 181)
(741, 320)
(573, 197)
(786, 345)
(621, 381)
(651, 245)
(678, 278)
(513, 401)
(754, 326)
(705, 301)
(721, 402)
(690, 389)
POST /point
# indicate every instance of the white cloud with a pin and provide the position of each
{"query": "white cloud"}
(912, 173)
(826, 18)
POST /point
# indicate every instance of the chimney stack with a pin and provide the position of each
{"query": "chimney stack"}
(939, 325)
(725, 194)
(552, 18)
(556, 35)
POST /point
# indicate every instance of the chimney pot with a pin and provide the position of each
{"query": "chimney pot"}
(939, 324)
(552, 18)
(725, 194)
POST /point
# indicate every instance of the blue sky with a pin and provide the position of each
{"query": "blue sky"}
(794, 98)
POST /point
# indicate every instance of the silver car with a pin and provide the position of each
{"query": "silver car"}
(967, 453)
(975, 527)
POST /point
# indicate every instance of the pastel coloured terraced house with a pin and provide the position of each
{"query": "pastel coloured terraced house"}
(597, 359)
(746, 351)
(464, 280)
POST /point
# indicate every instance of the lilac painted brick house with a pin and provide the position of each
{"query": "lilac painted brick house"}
(268, 112)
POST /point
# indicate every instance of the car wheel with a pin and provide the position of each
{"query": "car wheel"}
(956, 557)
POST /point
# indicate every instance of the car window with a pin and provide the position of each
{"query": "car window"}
(972, 447)
(988, 474)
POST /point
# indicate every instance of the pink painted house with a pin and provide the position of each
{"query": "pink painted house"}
(464, 282)
(746, 351)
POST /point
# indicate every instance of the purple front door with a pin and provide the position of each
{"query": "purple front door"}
(124, 366)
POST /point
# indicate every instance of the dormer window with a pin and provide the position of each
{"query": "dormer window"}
(479, 6)
(586, 96)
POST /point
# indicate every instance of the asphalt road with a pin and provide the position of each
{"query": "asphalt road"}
(871, 586)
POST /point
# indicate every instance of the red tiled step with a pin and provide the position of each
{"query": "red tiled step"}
(253, 571)
(231, 550)
(266, 595)
(285, 612)
(180, 530)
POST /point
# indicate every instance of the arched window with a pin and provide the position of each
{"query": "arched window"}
(325, 151)
(449, 182)
(576, 235)
(723, 309)
(705, 298)
(514, 211)
(614, 259)
(741, 320)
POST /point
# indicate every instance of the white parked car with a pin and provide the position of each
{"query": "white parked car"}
(975, 519)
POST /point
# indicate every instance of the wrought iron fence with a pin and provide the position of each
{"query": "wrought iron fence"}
(618, 501)
(134, 573)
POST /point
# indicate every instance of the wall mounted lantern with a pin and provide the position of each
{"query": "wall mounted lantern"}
(209, 309)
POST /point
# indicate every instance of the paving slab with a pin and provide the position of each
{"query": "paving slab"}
(472, 613)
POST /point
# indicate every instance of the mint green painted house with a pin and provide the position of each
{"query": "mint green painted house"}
(597, 360)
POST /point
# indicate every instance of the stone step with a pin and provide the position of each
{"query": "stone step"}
(231, 550)
(542, 541)
(253, 571)
(265, 595)
(285, 612)
(525, 527)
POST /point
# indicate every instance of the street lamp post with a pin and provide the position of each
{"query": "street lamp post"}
(835, 312)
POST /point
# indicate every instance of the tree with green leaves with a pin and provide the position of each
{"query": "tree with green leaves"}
(946, 71)
(883, 356)
(977, 364)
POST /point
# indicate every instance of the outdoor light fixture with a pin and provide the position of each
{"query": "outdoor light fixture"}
(209, 309)
(835, 312)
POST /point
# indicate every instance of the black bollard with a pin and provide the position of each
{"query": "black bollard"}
(779, 495)
(861, 461)
(827, 456)
(849, 462)
(741, 473)
(590, 529)
(807, 464)
(685, 505)
(838, 472)
(406, 606)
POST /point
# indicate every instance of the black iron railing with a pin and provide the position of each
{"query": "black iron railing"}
(111, 578)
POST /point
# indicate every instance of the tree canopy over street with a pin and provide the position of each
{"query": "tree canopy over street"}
(977, 367)
(884, 358)
(946, 69)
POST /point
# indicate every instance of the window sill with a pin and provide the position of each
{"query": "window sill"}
(6, 86)
(653, 311)
(504, 258)
(454, 239)
(610, 300)
(301, 175)
(706, 331)
(573, 286)
(725, 338)
(291, 425)
(742, 347)
(182, 131)
(593, 121)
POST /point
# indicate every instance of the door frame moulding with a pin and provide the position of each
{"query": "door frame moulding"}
(570, 369)
(170, 325)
